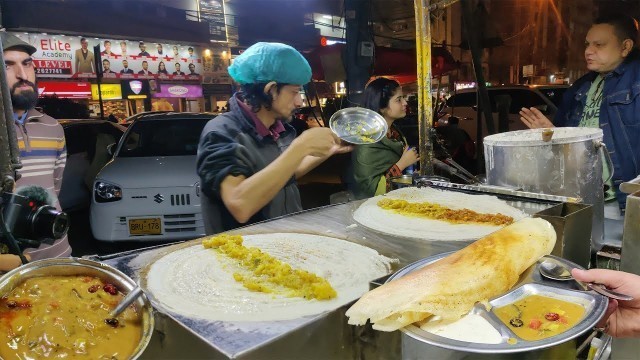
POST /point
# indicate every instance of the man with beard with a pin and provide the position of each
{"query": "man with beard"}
(40, 140)
(249, 158)
(106, 67)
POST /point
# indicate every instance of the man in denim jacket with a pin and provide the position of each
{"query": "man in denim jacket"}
(607, 97)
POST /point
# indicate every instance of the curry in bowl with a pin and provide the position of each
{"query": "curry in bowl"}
(59, 309)
(67, 317)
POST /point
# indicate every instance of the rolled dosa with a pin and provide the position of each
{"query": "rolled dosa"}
(451, 286)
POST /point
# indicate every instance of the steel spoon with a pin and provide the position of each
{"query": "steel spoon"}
(554, 271)
(126, 301)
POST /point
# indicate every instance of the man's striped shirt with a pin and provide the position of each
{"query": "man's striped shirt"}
(43, 155)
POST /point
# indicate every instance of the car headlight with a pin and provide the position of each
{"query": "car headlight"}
(106, 192)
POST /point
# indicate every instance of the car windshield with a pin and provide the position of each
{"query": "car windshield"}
(177, 137)
(554, 94)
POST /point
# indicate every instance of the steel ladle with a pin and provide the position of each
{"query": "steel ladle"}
(554, 271)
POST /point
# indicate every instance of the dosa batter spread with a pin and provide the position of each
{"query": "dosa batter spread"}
(197, 282)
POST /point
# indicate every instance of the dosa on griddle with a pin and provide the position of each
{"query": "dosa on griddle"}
(451, 286)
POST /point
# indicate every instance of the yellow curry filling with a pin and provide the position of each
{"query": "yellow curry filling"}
(359, 132)
(268, 274)
(66, 317)
(537, 317)
(439, 212)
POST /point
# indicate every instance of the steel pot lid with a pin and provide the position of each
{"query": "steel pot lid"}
(534, 137)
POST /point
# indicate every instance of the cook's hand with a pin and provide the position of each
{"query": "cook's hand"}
(409, 157)
(534, 119)
(622, 318)
(318, 141)
(341, 148)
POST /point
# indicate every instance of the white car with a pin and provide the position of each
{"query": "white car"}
(150, 190)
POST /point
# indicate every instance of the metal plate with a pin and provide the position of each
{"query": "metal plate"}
(358, 125)
(530, 283)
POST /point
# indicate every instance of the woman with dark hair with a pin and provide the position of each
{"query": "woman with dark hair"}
(374, 164)
(162, 69)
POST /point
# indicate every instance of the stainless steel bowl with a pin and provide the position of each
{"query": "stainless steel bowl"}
(76, 266)
(402, 181)
(358, 125)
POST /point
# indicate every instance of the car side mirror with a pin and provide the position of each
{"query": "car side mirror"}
(111, 148)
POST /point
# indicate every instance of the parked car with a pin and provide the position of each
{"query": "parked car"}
(132, 118)
(86, 141)
(462, 105)
(150, 190)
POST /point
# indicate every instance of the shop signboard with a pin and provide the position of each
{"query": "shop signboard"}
(212, 11)
(65, 89)
(179, 91)
(60, 56)
(135, 89)
(109, 91)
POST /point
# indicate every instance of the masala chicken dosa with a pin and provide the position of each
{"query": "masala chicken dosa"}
(451, 286)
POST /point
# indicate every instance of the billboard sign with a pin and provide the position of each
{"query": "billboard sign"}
(60, 56)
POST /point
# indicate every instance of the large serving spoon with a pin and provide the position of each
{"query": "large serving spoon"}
(555, 271)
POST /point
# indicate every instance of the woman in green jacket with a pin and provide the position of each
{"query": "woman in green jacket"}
(374, 164)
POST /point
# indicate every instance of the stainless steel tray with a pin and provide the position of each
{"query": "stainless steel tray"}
(530, 283)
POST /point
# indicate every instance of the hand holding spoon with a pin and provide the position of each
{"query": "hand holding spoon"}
(555, 271)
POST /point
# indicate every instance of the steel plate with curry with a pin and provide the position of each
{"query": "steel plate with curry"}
(66, 317)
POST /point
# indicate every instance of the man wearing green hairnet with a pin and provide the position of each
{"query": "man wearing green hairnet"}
(249, 157)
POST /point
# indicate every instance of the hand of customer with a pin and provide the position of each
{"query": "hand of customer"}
(534, 119)
(622, 318)
(409, 157)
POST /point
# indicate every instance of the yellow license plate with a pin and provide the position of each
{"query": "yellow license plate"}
(145, 226)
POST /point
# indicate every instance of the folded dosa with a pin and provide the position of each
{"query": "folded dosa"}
(451, 286)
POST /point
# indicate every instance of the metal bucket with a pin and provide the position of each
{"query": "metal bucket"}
(568, 164)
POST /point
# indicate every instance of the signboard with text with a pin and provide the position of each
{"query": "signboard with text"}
(179, 91)
(65, 90)
(109, 91)
(60, 56)
(212, 11)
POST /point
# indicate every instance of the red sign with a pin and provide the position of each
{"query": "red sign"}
(52, 67)
(69, 90)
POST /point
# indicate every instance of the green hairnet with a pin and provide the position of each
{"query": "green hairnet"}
(264, 62)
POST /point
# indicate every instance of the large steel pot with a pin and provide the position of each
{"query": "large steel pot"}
(76, 266)
(568, 164)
